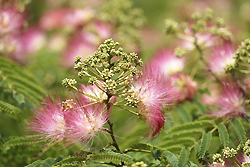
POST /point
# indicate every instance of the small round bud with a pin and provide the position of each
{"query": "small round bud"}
(171, 27)
(196, 16)
(220, 22)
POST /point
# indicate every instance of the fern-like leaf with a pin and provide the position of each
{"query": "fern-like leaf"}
(182, 162)
(10, 110)
(70, 160)
(185, 133)
(172, 158)
(112, 156)
(187, 141)
(205, 142)
(20, 83)
(45, 163)
(224, 137)
(240, 131)
(19, 141)
(192, 125)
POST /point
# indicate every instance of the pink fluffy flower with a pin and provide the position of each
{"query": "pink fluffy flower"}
(63, 17)
(153, 91)
(49, 120)
(84, 121)
(203, 40)
(32, 40)
(168, 62)
(186, 88)
(11, 20)
(78, 46)
(231, 101)
(222, 58)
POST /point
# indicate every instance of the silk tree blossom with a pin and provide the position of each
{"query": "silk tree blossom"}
(153, 91)
(203, 40)
(85, 121)
(231, 101)
(168, 62)
(49, 120)
(78, 46)
(186, 88)
(222, 58)
(65, 18)
(11, 20)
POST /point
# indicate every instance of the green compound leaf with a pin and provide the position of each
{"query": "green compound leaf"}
(20, 83)
(205, 142)
(45, 163)
(19, 141)
(224, 137)
(239, 129)
(10, 110)
(172, 158)
(187, 141)
(112, 156)
(192, 125)
(182, 162)
(71, 161)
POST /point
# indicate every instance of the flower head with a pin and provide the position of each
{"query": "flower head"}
(203, 40)
(49, 120)
(11, 20)
(231, 101)
(222, 58)
(186, 88)
(85, 121)
(168, 62)
(153, 91)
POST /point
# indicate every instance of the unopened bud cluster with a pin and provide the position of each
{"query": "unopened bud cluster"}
(111, 69)
(229, 153)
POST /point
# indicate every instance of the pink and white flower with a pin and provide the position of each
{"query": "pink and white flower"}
(231, 101)
(11, 20)
(186, 88)
(203, 40)
(85, 121)
(49, 120)
(153, 91)
(222, 58)
(168, 62)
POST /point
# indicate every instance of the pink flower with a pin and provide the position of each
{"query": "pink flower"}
(153, 91)
(222, 58)
(32, 40)
(203, 40)
(168, 62)
(84, 121)
(78, 46)
(11, 20)
(63, 17)
(231, 101)
(49, 120)
(186, 88)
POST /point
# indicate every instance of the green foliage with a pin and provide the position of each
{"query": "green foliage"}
(224, 137)
(19, 82)
(202, 146)
(70, 161)
(10, 110)
(172, 158)
(45, 163)
(112, 156)
(182, 162)
(239, 129)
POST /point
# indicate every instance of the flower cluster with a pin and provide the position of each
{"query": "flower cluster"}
(70, 120)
